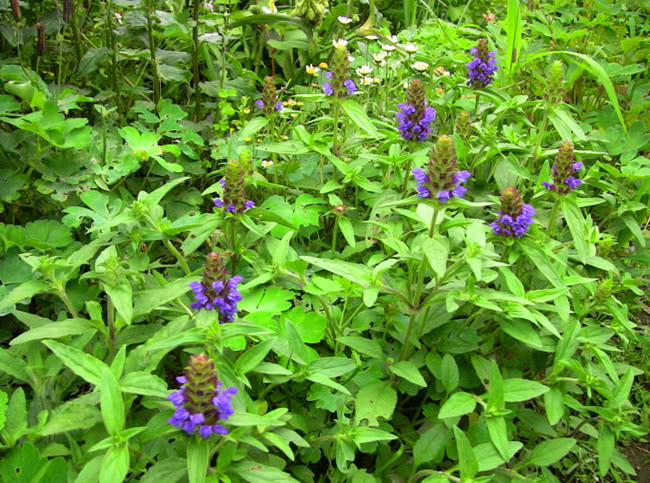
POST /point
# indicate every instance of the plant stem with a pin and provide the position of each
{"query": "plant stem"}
(154, 60)
(540, 135)
(170, 246)
(195, 62)
(432, 228)
(110, 317)
(335, 136)
(113, 47)
(68, 304)
(75, 34)
(334, 235)
(552, 219)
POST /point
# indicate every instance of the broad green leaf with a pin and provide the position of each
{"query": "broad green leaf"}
(407, 370)
(576, 223)
(144, 384)
(375, 401)
(326, 381)
(605, 446)
(111, 403)
(541, 261)
(548, 452)
(513, 31)
(498, 435)
(466, 457)
(436, 250)
(362, 435)
(247, 419)
(355, 272)
(254, 356)
(430, 444)
(3, 409)
(523, 331)
(72, 415)
(198, 459)
(115, 465)
(489, 458)
(518, 390)
(363, 345)
(458, 404)
(23, 291)
(148, 300)
(54, 330)
(122, 298)
(359, 116)
(14, 366)
(496, 396)
(83, 365)
(346, 229)
(449, 374)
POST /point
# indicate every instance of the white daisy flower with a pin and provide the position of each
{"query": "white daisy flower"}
(312, 69)
(340, 43)
(344, 20)
(410, 48)
(421, 66)
(380, 57)
(388, 47)
(367, 81)
(266, 163)
(364, 70)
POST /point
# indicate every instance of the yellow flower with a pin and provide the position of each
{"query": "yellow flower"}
(248, 139)
(312, 70)
(366, 81)
(290, 102)
(323, 65)
(300, 103)
(247, 110)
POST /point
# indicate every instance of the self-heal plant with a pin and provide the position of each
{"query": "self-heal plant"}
(269, 102)
(202, 402)
(340, 84)
(415, 116)
(564, 170)
(515, 216)
(441, 179)
(481, 70)
(234, 185)
(217, 291)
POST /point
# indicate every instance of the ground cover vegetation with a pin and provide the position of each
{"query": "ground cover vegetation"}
(316, 241)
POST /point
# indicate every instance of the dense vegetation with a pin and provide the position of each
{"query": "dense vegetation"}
(308, 241)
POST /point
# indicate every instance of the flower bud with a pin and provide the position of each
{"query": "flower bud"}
(463, 125)
(340, 84)
(269, 102)
(554, 90)
(234, 185)
(15, 8)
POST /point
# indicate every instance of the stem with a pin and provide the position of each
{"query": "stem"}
(432, 228)
(178, 256)
(75, 34)
(334, 235)
(112, 46)
(335, 138)
(154, 60)
(110, 316)
(477, 103)
(551, 222)
(68, 304)
(540, 135)
(195, 63)
(406, 175)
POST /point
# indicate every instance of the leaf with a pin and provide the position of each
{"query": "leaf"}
(513, 29)
(437, 251)
(518, 390)
(23, 291)
(3, 409)
(375, 401)
(548, 452)
(489, 458)
(326, 381)
(541, 261)
(355, 272)
(198, 459)
(144, 384)
(71, 415)
(361, 435)
(449, 372)
(576, 223)
(14, 366)
(122, 297)
(498, 435)
(148, 300)
(84, 365)
(467, 459)
(252, 127)
(365, 346)
(407, 370)
(359, 116)
(605, 445)
(458, 404)
(345, 226)
(430, 444)
(496, 399)
(54, 330)
(523, 331)
(271, 19)
(115, 465)
(250, 359)
(111, 403)
(311, 326)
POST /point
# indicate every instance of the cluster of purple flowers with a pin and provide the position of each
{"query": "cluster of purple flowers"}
(564, 169)
(202, 400)
(348, 84)
(414, 127)
(570, 181)
(218, 296)
(482, 68)
(423, 181)
(230, 208)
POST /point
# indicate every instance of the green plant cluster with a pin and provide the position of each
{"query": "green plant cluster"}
(381, 336)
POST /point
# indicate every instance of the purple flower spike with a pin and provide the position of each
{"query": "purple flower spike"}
(415, 117)
(279, 106)
(259, 104)
(206, 402)
(515, 216)
(481, 70)
(327, 89)
(564, 169)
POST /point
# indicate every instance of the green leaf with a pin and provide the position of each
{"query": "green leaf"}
(75, 414)
(148, 300)
(272, 19)
(248, 419)
(111, 403)
(622, 390)
(375, 401)
(548, 452)
(576, 223)
(345, 226)
(437, 251)
(449, 374)
(252, 127)
(310, 325)
(363, 345)
(23, 291)
(355, 272)
(513, 30)
(144, 384)
(122, 298)
(326, 381)
(495, 396)
(523, 331)
(250, 359)
(198, 459)
(489, 458)
(361, 435)
(407, 370)
(634, 227)
(541, 261)
(466, 457)
(83, 365)
(54, 330)
(458, 404)
(430, 444)
(518, 390)
(3, 409)
(498, 435)
(115, 465)
(14, 366)
(605, 445)
(359, 116)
